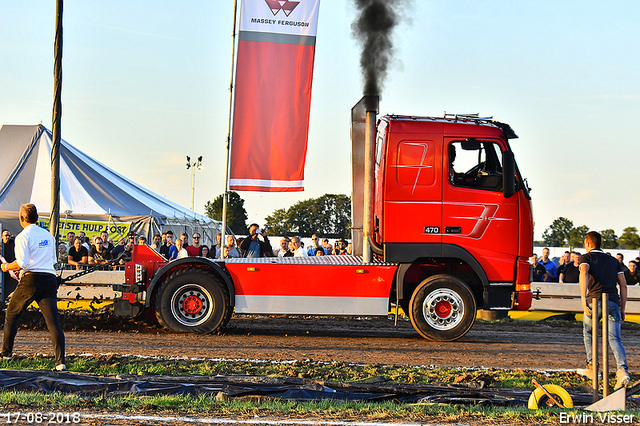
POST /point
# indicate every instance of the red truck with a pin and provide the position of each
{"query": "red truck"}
(447, 230)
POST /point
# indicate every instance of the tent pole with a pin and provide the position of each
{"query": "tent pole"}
(54, 219)
(225, 197)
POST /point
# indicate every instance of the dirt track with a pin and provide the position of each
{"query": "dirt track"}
(512, 345)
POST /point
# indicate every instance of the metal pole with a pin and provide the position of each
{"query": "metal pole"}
(370, 130)
(54, 219)
(2, 275)
(594, 346)
(225, 196)
(193, 183)
(605, 342)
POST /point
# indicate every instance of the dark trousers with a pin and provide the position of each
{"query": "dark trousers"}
(43, 289)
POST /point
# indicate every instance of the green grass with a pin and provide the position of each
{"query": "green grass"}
(333, 371)
(207, 405)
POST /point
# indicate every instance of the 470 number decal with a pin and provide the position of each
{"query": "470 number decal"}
(431, 229)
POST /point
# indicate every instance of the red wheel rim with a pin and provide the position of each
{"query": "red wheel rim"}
(192, 305)
(443, 309)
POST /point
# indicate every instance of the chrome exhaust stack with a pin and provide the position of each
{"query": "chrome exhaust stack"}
(363, 133)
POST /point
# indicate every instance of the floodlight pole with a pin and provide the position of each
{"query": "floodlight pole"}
(54, 219)
(193, 166)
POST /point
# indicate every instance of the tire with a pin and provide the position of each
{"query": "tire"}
(193, 300)
(442, 308)
(539, 399)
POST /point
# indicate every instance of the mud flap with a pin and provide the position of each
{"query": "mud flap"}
(498, 297)
(125, 309)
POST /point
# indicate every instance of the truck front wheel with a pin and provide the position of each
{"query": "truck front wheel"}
(192, 300)
(442, 308)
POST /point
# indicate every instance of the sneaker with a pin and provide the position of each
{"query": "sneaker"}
(588, 372)
(6, 358)
(622, 379)
(61, 367)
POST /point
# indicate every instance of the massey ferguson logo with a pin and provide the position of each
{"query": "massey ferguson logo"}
(285, 5)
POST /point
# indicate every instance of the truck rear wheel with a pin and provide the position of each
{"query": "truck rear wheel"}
(192, 300)
(442, 308)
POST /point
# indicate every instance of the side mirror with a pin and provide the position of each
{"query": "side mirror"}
(508, 174)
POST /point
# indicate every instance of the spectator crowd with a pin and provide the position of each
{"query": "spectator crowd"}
(80, 250)
(566, 268)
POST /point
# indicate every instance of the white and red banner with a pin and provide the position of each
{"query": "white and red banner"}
(274, 71)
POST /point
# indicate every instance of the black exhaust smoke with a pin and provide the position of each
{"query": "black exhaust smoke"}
(373, 29)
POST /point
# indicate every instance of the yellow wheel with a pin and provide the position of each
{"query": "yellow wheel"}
(539, 399)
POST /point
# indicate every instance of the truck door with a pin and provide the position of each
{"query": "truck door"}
(413, 191)
(476, 214)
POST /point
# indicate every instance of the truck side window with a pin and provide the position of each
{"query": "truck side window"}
(379, 146)
(475, 164)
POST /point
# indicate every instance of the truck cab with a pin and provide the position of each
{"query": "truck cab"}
(449, 200)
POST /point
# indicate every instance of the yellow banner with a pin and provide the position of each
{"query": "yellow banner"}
(115, 230)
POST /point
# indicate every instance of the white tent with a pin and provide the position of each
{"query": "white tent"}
(89, 191)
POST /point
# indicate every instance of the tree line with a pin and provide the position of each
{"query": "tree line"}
(562, 233)
(328, 216)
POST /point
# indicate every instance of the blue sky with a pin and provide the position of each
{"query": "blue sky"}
(145, 83)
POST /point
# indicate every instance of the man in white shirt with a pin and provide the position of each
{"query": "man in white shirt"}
(296, 247)
(35, 257)
(284, 248)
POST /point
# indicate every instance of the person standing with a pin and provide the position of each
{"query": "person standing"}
(571, 272)
(180, 251)
(630, 275)
(607, 276)
(35, 258)
(217, 249)
(8, 252)
(166, 244)
(232, 248)
(194, 249)
(551, 268)
(284, 248)
(106, 245)
(539, 272)
(157, 242)
(296, 247)
(78, 254)
(253, 246)
(315, 245)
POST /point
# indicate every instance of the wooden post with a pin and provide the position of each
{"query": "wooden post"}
(594, 346)
(605, 349)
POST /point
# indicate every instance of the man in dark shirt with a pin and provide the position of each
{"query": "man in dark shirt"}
(98, 255)
(539, 271)
(620, 258)
(607, 275)
(571, 271)
(78, 254)
(252, 246)
(106, 245)
(8, 252)
(564, 260)
(631, 274)
(166, 245)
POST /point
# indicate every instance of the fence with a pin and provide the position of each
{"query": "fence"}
(557, 297)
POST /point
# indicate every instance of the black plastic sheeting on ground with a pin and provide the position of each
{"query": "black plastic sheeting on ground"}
(246, 386)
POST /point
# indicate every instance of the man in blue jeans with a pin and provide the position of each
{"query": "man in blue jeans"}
(607, 276)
